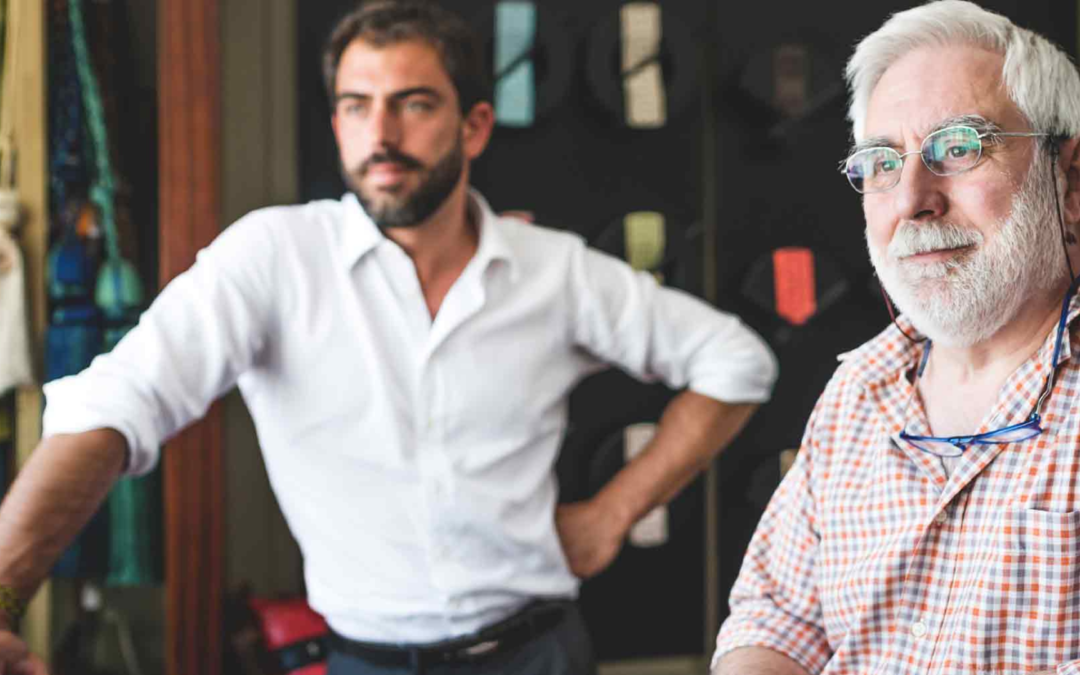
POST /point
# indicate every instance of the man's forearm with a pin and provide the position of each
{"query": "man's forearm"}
(692, 430)
(55, 494)
(757, 661)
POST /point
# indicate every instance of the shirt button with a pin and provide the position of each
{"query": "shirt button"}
(918, 629)
(941, 518)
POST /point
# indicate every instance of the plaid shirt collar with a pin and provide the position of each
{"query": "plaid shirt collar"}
(888, 378)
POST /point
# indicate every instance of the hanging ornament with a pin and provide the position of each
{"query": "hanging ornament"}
(14, 328)
(118, 292)
(118, 296)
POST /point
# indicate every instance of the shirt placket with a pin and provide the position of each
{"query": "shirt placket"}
(928, 601)
(437, 485)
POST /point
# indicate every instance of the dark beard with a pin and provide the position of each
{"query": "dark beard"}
(414, 209)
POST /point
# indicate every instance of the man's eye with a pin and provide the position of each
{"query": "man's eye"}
(957, 151)
(351, 108)
(886, 166)
(419, 106)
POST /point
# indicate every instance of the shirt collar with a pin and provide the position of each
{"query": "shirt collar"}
(1068, 346)
(493, 242)
(361, 235)
(891, 354)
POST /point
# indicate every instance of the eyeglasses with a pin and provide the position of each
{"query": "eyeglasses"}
(954, 446)
(945, 152)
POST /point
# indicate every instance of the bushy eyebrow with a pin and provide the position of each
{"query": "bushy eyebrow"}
(397, 95)
(977, 122)
(871, 142)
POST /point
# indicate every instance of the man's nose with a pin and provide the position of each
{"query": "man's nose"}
(919, 195)
(384, 127)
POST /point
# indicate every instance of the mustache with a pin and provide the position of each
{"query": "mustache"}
(911, 239)
(389, 156)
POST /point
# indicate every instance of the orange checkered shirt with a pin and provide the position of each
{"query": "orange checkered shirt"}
(872, 559)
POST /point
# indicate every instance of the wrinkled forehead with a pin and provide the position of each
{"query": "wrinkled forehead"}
(930, 85)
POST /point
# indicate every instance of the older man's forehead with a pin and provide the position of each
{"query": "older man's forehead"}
(929, 84)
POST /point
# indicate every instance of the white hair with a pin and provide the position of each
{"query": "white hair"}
(1040, 78)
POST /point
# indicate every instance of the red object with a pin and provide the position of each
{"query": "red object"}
(794, 285)
(286, 623)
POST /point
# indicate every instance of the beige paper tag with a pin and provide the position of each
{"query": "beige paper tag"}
(643, 89)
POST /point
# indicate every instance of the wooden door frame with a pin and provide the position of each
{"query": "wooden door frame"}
(189, 117)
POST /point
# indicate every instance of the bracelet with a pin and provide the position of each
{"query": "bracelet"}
(12, 605)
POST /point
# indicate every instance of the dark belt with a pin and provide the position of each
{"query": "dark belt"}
(535, 619)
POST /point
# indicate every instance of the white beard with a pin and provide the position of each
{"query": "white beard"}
(970, 297)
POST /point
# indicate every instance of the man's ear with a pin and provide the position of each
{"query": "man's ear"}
(1069, 162)
(476, 129)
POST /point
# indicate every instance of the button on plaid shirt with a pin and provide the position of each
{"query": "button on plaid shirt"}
(871, 559)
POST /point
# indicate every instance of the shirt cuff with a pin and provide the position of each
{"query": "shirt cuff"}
(72, 407)
(733, 393)
(1070, 668)
(749, 380)
(803, 643)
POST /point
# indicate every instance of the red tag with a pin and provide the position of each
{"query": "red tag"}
(793, 282)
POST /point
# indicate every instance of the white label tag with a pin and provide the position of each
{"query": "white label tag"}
(643, 90)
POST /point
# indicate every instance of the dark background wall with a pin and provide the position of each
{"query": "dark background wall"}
(728, 161)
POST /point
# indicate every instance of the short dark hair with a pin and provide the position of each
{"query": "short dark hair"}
(386, 22)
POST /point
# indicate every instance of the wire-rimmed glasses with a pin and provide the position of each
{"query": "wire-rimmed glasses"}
(946, 152)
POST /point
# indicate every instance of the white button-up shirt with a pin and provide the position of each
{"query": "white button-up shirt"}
(413, 458)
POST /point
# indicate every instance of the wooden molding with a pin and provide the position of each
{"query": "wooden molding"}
(31, 134)
(189, 96)
(258, 102)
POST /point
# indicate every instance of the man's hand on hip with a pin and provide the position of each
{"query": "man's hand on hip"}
(15, 657)
(591, 536)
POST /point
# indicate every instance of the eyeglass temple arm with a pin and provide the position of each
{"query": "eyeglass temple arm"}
(1019, 134)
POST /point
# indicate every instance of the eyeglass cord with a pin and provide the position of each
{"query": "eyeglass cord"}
(1055, 151)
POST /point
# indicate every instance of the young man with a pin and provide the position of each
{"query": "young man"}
(932, 521)
(407, 356)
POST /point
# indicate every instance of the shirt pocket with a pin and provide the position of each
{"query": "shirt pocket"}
(1024, 612)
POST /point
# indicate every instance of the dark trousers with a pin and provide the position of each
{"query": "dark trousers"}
(564, 649)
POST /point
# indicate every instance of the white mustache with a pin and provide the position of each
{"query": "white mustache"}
(911, 239)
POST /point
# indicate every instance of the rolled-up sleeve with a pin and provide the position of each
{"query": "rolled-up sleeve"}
(204, 329)
(658, 333)
(774, 602)
(1070, 668)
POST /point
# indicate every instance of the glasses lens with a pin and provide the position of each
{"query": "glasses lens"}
(874, 169)
(943, 448)
(934, 446)
(1020, 432)
(952, 150)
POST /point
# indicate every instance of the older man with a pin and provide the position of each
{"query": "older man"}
(932, 521)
